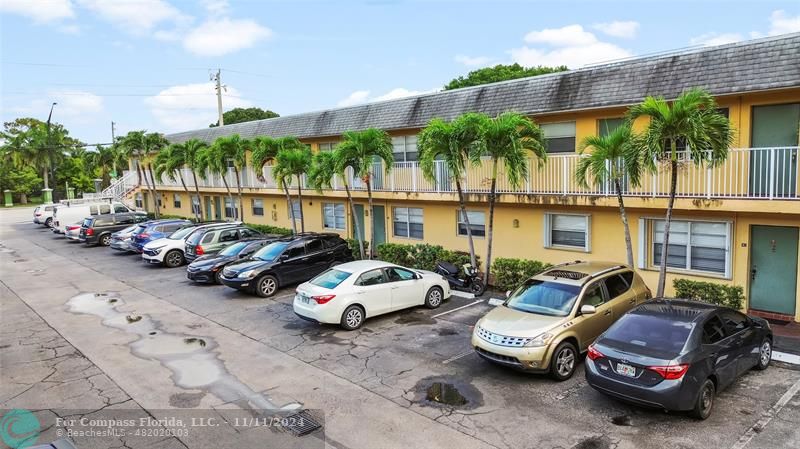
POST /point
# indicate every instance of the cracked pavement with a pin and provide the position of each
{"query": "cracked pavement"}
(370, 383)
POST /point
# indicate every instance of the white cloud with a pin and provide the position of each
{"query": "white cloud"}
(74, 106)
(780, 23)
(570, 45)
(70, 29)
(362, 96)
(217, 37)
(136, 16)
(191, 106)
(711, 39)
(216, 6)
(470, 61)
(626, 29)
(39, 11)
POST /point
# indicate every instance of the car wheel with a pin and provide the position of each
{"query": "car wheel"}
(173, 258)
(434, 298)
(352, 318)
(48, 223)
(562, 364)
(105, 239)
(477, 287)
(266, 286)
(705, 400)
(764, 354)
(218, 277)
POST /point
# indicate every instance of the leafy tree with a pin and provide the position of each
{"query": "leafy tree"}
(170, 161)
(138, 145)
(452, 143)
(234, 149)
(500, 72)
(691, 124)
(21, 181)
(241, 115)
(102, 162)
(293, 162)
(611, 159)
(511, 138)
(360, 150)
(191, 151)
(265, 150)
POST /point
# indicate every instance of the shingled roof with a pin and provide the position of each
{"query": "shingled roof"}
(763, 64)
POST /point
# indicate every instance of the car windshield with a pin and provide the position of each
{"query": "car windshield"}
(655, 336)
(544, 298)
(181, 233)
(270, 252)
(234, 249)
(330, 278)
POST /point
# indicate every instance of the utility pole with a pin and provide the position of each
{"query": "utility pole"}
(218, 79)
(114, 163)
(47, 192)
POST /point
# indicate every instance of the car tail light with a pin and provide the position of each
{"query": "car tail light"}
(89, 231)
(594, 354)
(38, 214)
(671, 372)
(143, 236)
(322, 299)
(198, 250)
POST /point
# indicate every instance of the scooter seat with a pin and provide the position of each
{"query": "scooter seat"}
(451, 269)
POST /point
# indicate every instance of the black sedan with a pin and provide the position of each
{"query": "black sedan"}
(676, 354)
(209, 268)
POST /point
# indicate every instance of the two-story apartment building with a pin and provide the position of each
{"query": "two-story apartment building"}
(738, 223)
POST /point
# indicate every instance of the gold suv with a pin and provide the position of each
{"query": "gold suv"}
(553, 316)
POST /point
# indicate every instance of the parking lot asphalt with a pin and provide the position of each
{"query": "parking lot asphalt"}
(369, 384)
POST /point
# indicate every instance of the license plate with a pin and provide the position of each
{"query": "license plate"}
(303, 298)
(626, 370)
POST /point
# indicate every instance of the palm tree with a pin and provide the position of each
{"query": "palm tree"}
(512, 138)
(293, 162)
(452, 143)
(359, 150)
(104, 159)
(136, 147)
(221, 151)
(170, 161)
(192, 150)
(264, 152)
(691, 121)
(612, 159)
(154, 143)
(233, 148)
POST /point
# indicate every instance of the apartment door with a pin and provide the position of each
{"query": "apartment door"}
(209, 211)
(773, 268)
(360, 217)
(380, 224)
(773, 159)
(217, 208)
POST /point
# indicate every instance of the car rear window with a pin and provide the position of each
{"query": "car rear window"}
(194, 239)
(655, 336)
(87, 222)
(208, 237)
(330, 278)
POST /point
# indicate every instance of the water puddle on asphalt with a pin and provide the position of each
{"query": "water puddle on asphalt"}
(447, 392)
(622, 420)
(193, 361)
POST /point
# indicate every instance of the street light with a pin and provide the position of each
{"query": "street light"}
(47, 192)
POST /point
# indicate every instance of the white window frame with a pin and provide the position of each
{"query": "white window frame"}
(334, 206)
(327, 146)
(460, 222)
(407, 222)
(176, 198)
(548, 232)
(196, 205)
(253, 207)
(647, 238)
(138, 200)
(549, 134)
(291, 206)
(234, 207)
(404, 144)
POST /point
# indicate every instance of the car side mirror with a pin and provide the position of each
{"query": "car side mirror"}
(508, 293)
(588, 309)
(244, 256)
(284, 257)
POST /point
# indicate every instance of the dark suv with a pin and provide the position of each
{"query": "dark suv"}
(212, 240)
(287, 261)
(97, 229)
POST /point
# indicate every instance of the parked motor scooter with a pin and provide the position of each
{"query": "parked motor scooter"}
(469, 282)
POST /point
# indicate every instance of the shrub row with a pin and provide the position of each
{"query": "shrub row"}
(421, 256)
(725, 295)
(353, 244)
(509, 273)
(262, 228)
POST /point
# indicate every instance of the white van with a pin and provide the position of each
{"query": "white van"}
(66, 214)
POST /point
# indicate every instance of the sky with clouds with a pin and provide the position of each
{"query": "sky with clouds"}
(145, 64)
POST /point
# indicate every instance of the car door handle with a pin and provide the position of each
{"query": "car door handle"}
(395, 288)
(607, 312)
(632, 301)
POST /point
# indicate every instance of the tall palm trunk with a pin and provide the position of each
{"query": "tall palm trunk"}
(188, 195)
(472, 258)
(154, 191)
(371, 251)
(662, 271)
(291, 207)
(355, 219)
(227, 189)
(489, 234)
(624, 215)
(239, 190)
(138, 171)
(199, 211)
(300, 200)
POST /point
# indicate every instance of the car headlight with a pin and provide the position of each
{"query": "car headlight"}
(156, 249)
(246, 274)
(540, 340)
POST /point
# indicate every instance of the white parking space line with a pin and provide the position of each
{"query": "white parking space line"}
(785, 357)
(456, 357)
(461, 294)
(458, 308)
(767, 417)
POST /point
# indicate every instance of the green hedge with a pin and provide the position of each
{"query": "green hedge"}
(421, 256)
(353, 244)
(509, 273)
(268, 229)
(720, 294)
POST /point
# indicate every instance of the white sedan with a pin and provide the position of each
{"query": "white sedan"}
(349, 293)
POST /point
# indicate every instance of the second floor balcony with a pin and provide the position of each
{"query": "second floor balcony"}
(748, 173)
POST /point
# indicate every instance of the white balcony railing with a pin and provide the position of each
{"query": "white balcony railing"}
(749, 173)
